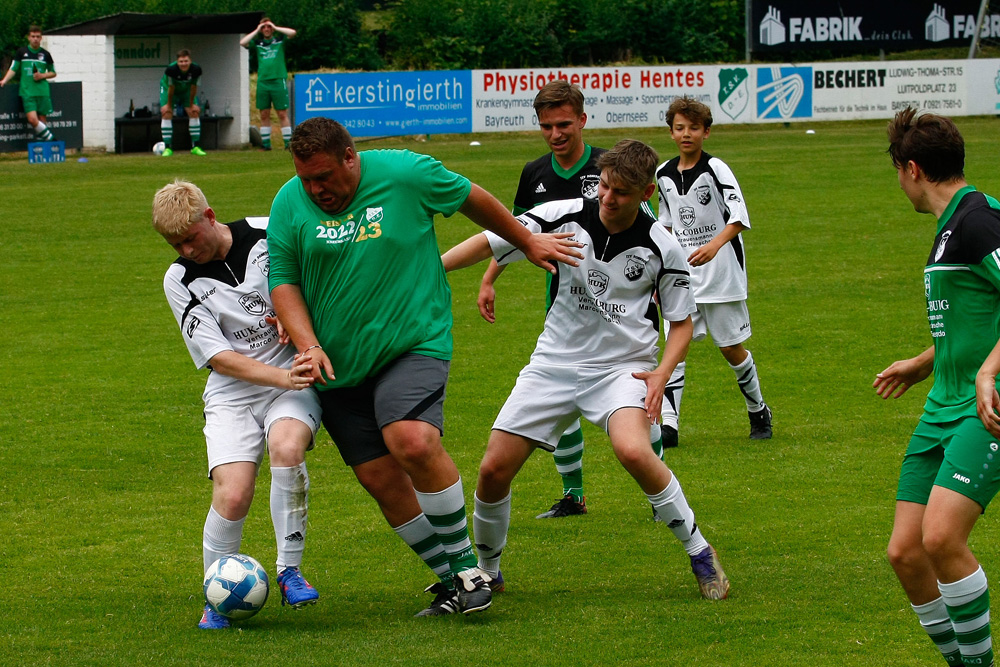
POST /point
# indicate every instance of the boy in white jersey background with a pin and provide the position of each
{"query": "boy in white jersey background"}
(949, 473)
(217, 290)
(597, 355)
(702, 205)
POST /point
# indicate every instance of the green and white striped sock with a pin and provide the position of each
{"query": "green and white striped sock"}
(419, 534)
(936, 623)
(569, 462)
(446, 512)
(968, 602)
(167, 130)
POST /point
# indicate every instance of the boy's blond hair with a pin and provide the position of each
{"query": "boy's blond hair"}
(631, 163)
(177, 206)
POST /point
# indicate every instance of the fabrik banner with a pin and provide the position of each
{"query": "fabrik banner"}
(851, 25)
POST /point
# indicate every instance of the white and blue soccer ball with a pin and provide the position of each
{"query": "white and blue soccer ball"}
(159, 147)
(236, 586)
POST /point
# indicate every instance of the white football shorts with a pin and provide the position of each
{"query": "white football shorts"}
(546, 399)
(729, 322)
(238, 431)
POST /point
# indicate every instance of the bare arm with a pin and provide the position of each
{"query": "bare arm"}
(241, 367)
(486, 301)
(675, 348)
(245, 42)
(294, 315)
(987, 398)
(470, 251)
(7, 77)
(287, 32)
(901, 375)
(707, 252)
(486, 211)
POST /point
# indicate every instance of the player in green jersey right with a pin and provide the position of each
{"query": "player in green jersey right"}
(268, 43)
(950, 471)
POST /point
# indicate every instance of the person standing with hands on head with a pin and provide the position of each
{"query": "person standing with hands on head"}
(268, 43)
(949, 473)
(356, 279)
(702, 205)
(35, 67)
(179, 88)
(257, 396)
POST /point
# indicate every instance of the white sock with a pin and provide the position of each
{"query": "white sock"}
(265, 135)
(220, 537)
(286, 133)
(670, 412)
(673, 509)
(419, 534)
(289, 513)
(656, 439)
(746, 378)
(490, 522)
(937, 624)
(195, 129)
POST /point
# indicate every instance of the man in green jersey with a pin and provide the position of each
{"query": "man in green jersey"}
(356, 278)
(950, 471)
(36, 67)
(268, 41)
(179, 88)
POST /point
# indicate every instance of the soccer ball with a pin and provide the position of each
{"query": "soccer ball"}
(159, 147)
(236, 586)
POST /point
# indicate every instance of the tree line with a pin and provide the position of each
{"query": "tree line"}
(447, 34)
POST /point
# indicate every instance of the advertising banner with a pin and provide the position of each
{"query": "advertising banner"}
(375, 104)
(400, 103)
(850, 25)
(65, 121)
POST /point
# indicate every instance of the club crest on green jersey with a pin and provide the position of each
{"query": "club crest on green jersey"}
(374, 214)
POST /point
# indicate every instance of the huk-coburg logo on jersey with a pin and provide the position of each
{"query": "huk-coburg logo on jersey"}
(192, 326)
(597, 282)
(940, 249)
(374, 214)
(704, 194)
(588, 186)
(253, 303)
(633, 269)
(687, 216)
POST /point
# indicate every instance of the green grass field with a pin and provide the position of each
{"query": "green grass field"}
(103, 491)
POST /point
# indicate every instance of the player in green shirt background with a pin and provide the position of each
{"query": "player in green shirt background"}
(950, 470)
(35, 67)
(268, 42)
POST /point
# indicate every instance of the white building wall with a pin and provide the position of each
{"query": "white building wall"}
(89, 59)
(107, 92)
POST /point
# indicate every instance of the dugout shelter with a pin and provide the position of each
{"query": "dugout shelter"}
(120, 58)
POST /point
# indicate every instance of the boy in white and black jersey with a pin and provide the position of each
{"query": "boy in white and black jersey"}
(597, 355)
(702, 204)
(219, 295)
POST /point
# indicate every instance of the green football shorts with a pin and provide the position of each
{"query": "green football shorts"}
(272, 92)
(960, 455)
(42, 104)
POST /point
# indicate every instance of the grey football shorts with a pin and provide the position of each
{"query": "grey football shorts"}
(410, 388)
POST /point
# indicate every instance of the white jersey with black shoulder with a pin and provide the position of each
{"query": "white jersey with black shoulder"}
(221, 305)
(602, 314)
(696, 204)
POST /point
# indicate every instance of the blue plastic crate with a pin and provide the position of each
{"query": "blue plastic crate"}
(46, 151)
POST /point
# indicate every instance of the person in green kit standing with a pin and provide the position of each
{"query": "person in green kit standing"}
(35, 67)
(179, 88)
(268, 43)
(357, 281)
(949, 472)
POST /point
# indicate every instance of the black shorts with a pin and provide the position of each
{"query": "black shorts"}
(410, 388)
